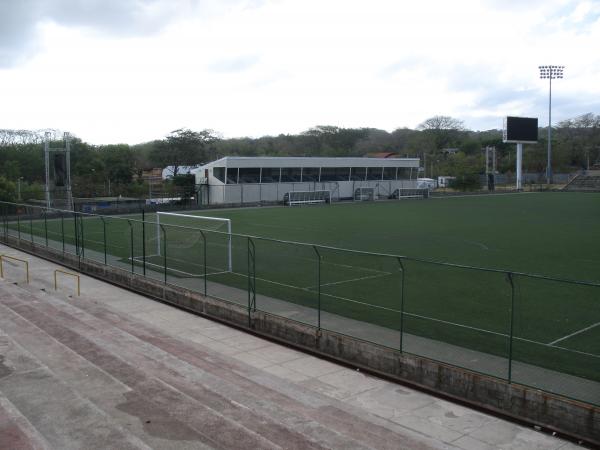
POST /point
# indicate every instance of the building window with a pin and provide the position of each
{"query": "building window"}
(358, 173)
(374, 173)
(389, 173)
(290, 174)
(310, 174)
(335, 173)
(270, 175)
(404, 173)
(219, 173)
(249, 175)
(232, 175)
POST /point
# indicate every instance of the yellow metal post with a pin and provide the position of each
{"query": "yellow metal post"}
(57, 271)
(3, 257)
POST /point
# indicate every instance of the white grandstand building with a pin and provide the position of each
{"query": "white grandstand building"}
(239, 180)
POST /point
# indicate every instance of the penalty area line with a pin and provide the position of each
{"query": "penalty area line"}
(334, 283)
(583, 330)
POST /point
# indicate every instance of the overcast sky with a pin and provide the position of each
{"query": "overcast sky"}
(131, 71)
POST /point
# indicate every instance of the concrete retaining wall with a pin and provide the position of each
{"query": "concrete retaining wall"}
(570, 417)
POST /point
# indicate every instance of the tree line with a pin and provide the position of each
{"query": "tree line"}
(443, 143)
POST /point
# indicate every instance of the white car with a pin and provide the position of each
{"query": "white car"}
(426, 183)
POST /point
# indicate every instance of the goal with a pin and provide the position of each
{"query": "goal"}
(410, 193)
(306, 197)
(364, 194)
(186, 230)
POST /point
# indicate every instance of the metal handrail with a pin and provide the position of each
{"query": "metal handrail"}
(57, 271)
(3, 257)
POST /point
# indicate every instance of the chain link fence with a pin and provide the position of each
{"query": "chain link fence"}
(533, 330)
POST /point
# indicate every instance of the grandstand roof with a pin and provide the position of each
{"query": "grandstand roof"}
(289, 161)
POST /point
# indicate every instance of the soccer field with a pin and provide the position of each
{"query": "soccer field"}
(555, 234)
(393, 280)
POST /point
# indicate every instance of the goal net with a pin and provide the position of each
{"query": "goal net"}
(410, 193)
(364, 194)
(306, 197)
(185, 235)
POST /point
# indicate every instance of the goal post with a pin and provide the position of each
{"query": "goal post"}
(410, 193)
(306, 197)
(201, 223)
(364, 194)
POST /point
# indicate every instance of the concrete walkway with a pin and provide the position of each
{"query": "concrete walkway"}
(113, 369)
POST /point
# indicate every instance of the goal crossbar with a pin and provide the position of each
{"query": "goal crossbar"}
(225, 221)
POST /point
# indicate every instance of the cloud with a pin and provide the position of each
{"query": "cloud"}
(20, 20)
(406, 63)
(234, 65)
(132, 70)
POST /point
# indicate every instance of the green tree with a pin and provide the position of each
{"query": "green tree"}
(119, 162)
(442, 131)
(183, 147)
(11, 169)
(8, 190)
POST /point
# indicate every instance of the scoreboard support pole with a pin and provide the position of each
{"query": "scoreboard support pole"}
(519, 166)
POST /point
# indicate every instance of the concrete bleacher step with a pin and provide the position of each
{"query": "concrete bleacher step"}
(113, 378)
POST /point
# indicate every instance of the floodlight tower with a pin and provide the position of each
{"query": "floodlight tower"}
(550, 72)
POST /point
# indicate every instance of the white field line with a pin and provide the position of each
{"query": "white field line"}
(583, 330)
(188, 274)
(301, 258)
(334, 283)
(140, 259)
(444, 197)
(184, 262)
(313, 291)
(187, 244)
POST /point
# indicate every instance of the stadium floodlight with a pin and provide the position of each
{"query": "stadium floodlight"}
(550, 73)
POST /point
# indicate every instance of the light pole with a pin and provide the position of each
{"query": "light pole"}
(550, 72)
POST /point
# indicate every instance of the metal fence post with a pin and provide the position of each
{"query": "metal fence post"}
(318, 287)
(76, 234)
(131, 245)
(401, 306)
(162, 228)
(46, 225)
(82, 243)
(143, 243)
(251, 279)
(18, 226)
(512, 323)
(31, 227)
(104, 238)
(5, 221)
(62, 230)
(204, 258)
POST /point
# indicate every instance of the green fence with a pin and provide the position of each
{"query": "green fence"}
(524, 328)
